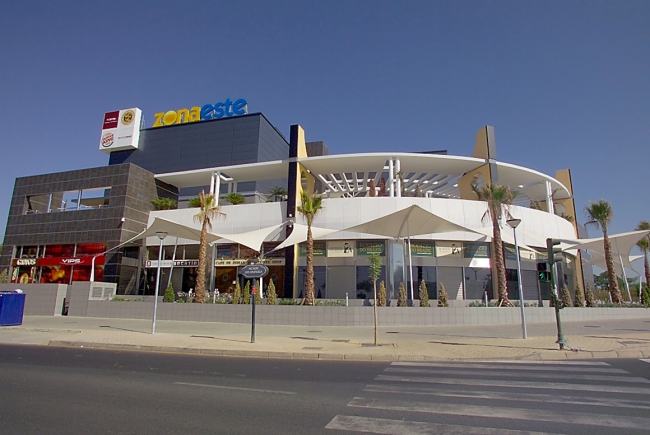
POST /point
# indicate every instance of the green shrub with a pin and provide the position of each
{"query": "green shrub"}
(424, 294)
(169, 294)
(194, 203)
(247, 293)
(381, 296)
(579, 300)
(4, 276)
(566, 296)
(164, 204)
(443, 297)
(331, 303)
(287, 301)
(589, 296)
(645, 295)
(258, 293)
(271, 296)
(401, 297)
(236, 297)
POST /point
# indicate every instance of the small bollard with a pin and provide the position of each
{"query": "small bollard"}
(346, 299)
(485, 298)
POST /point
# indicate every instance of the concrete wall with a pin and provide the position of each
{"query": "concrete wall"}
(41, 299)
(350, 316)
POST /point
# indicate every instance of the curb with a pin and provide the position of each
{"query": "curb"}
(559, 356)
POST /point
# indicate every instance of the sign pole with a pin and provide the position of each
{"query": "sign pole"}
(253, 315)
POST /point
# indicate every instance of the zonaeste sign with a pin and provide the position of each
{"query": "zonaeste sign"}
(194, 114)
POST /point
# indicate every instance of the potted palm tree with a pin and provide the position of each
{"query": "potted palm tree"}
(600, 214)
(497, 197)
(644, 246)
(209, 211)
(309, 208)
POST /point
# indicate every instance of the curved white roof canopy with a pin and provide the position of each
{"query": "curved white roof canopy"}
(350, 174)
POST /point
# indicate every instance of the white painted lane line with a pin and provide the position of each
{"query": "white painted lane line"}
(579, 418)
(392, 427)
(496, 366)
(559, 363)
(516, 397)
(255, 390)
(515, 384)
(555, 376)
(646, 360)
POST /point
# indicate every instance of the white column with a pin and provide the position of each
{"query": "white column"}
(212, 183)
(549, 198)
(217, 185)
(391, 178)
(398, 180)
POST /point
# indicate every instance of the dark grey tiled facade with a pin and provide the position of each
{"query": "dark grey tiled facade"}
(206, 144)
(132, 189)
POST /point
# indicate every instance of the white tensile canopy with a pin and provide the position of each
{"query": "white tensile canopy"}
(299, 235)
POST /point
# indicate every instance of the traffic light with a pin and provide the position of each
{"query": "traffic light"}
(543, 273)
(554, 251)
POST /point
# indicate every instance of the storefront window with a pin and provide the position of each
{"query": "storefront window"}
(365, 283)
(477, 282)
(227, 252)
(320, 282)
(88, 249)
(52, 251)
(426, 274)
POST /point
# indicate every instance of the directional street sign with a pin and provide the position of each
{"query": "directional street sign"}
(254, 271)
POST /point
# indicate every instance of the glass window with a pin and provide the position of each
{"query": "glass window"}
(320, 281)
(95, 198)
(191, 252)
(36, 203)
(70, 201)
(52, 251)
(426, 274)
(227, 252)
(88, 249)
(365, 284)
(477, 282)
(28, 252)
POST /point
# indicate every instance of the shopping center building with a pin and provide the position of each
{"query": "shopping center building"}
(82, 225)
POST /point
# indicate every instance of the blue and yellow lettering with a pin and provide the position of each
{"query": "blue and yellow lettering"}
(238, 107)
(228, 105)
(218, 109)
(182, 116)
(207, 111)
(195, 114)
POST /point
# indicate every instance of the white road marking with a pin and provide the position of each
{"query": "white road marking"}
(256, 390)
(646, 360)
(554, 376)
(601, 420)
(496, 366)
(392, 427)
(517, 397)
(516, 384)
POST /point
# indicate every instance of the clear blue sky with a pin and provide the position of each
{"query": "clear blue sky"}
(565, 84)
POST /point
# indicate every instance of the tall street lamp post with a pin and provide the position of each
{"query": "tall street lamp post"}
(514, 223)
(161, 235)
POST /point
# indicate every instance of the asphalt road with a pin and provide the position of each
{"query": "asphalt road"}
(49, 390)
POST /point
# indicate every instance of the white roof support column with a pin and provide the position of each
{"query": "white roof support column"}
(398, 179)
(391, 178)
(549, 198)
(216, 187)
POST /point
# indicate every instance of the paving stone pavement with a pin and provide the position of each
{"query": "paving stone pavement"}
(593, 339)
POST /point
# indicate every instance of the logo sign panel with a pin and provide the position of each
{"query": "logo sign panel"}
(422, 249)
(371, 247)
(319, 249)
(245, 261)
(174, 263)
(254, 271)
(449, 249)
(121, 130)
(477, 250)
(340, 248)
(227, 108)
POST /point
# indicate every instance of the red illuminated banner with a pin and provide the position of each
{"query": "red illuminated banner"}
(60, 261)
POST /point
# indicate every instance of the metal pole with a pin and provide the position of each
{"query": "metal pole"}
(521, 292)
(408, 231)
(161, 236)
(627, 285)
(253, 316)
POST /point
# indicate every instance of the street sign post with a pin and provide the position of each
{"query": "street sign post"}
(254, 271)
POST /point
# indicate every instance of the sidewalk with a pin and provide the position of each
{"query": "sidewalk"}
(593, 339)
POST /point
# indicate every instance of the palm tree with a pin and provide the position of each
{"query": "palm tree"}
(209, 211)
(600, 214)
(309, 208)
(644, 246)
(497, 197)
(278, 193)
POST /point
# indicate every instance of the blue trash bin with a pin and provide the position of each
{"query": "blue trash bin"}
(12, 306)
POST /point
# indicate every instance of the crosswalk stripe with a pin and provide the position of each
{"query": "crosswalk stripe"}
(561, 363)
(517, 397)
(516, 384)
(570, 376)
(600, 420)
(391, 427)
(497, 366)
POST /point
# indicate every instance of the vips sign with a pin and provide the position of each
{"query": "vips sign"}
(194, 114)
(121, 130)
